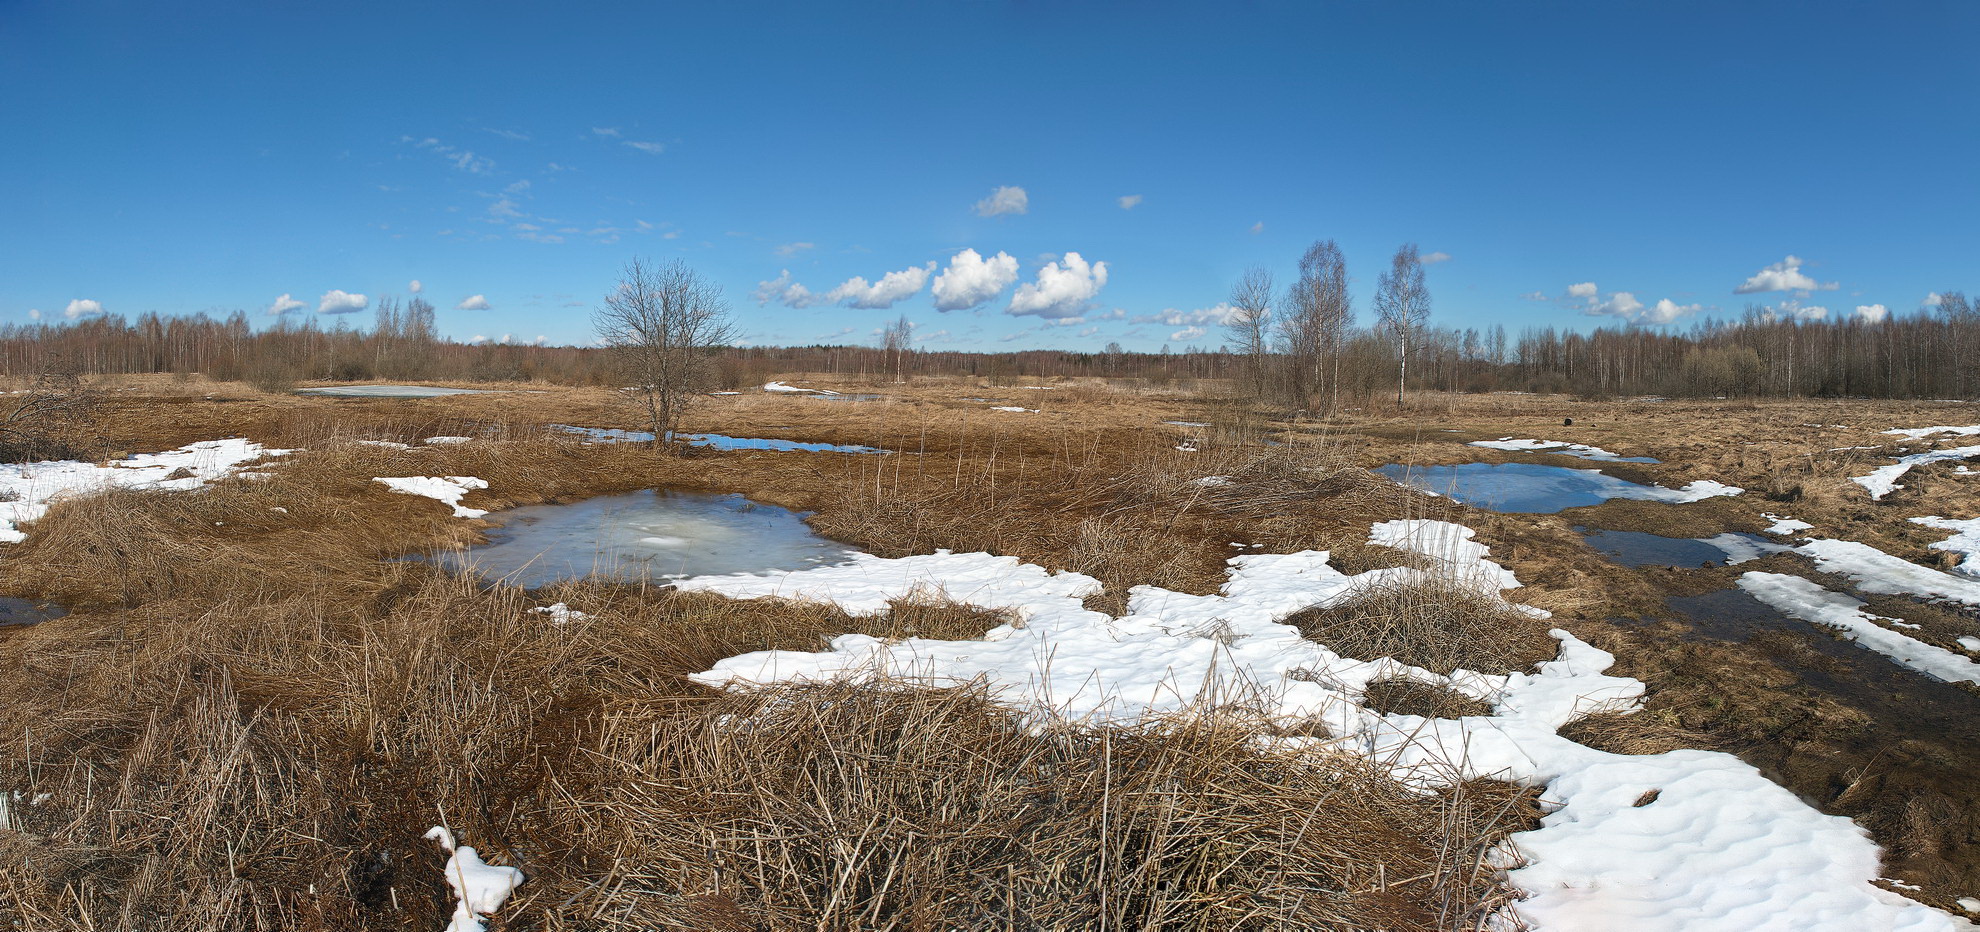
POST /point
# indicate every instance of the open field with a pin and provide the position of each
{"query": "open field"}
(254, 709)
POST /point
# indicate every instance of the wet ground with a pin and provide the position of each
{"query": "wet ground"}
(15, 611)
(387, 391)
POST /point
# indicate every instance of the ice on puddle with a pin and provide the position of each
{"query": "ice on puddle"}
(480, 888)
(447, 489)
(1561, 447)
(1720, 849)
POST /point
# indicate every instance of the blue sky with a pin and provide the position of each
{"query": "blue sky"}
(1579, 164)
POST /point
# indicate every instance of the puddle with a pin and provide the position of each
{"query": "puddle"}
(719, 441)
(1635, 548)
(1527, 488)
(654, 534)
(15, 611)
(388, 391)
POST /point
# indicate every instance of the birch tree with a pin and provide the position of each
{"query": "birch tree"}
(1402, 307)
(662, 326)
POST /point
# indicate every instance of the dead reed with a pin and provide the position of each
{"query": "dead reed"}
(1439, 626)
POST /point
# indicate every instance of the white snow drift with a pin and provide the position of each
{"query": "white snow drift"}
(27, 489)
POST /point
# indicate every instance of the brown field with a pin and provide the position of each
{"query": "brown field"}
(252, 714)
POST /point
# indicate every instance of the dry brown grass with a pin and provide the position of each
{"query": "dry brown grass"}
(1409, 697)
(1436, 625)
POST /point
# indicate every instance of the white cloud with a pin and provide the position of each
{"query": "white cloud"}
(504, 207)
(34, 313)
(1170, 317)
(517, 187)
(337, 301)
(1008, 199)
(891, 289)
(1872, 313)
(1436, 257)
(1258, 228)
(1793, 309)
(1128, 202)
(1188, 333)
(611, 131)
(1932, 299)
(415, 287)
(474, 303)
(1535, 296)
(1061, 290)
(1666, 310)
(651, 148)
(285, 304)
(1620, 304)
(784, 291)
(1582, 290)
(791, 249)
(82, 307)
(477, 339)
(1784, 275)
(1087, 332)
(511, 134)
(971, 280)
(469, 162)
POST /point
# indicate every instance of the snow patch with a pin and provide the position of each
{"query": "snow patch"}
(1883, 480)
(448, 489)
(1965, 540)
(1919, 433)
(480, 888)
(1562, 447)
(27, 489)
(1784, 525)
(1875, 571)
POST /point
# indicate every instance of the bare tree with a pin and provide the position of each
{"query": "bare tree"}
(895, 340)
(1251, 305)
(1402, 304)
(1314, 328)
(663, 325)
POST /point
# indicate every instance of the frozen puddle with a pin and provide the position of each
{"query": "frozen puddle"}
(1527, 488)
(388, 391)
(1716, 846)
(718, 441)
(654, 534)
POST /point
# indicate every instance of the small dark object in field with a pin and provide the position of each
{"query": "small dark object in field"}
(1567, 422)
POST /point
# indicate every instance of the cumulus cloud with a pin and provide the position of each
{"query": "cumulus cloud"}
(34, 313)
(286, 305)
(338, 301)
(1188, 333)
(1872, 313)
(1784, 275)
(791, 249)
(784, 291)
(1129, 201)
(82, 307)
(1932, 299)
(1535, 296)
(1624, 305)
(1008, 199)
(891, 289)
(1793, 310)
(971, 280)
(1061, 290)
(415, 287)
(651, 148)
(473, 303)
(1170, 317)
(1436, 257)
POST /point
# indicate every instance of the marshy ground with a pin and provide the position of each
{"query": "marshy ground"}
(254, 707)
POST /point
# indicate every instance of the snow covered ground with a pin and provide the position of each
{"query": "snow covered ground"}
(1800, 598)
(1561, 447)
(1716, 846)
(27, 489)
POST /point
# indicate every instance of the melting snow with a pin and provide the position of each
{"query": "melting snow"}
(27, 489)
(1876, 571)
(1784, 525)
(1919, 433)
(480, 888)
(1809, 602)
(1720, 847)
(448, 489)
(1561, 447)
(1965, 540)
(1884, 479)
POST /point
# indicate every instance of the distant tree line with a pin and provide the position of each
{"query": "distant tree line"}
(1299, 349)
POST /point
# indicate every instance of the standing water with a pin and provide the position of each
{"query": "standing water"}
(655, 534)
